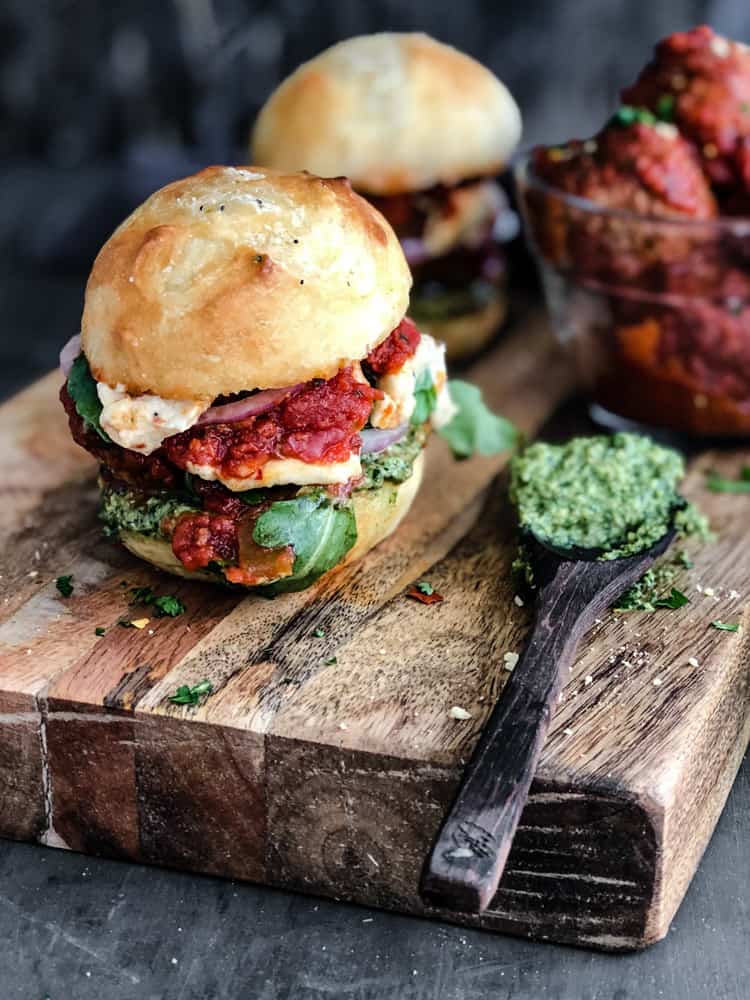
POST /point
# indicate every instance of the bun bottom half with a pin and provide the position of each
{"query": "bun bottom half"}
(469, 333)
(377, 512)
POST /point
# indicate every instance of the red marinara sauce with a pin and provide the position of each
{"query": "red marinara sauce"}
(318, 423)
(396, 349)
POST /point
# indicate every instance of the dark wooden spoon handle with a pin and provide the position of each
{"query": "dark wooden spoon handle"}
(467, 860)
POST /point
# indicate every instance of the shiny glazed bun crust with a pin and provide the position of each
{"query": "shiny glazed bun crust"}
(378, 513)
(393, 112)
(242, 278)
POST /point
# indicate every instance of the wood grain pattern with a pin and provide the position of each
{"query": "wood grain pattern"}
(334, 777)
(468, 858)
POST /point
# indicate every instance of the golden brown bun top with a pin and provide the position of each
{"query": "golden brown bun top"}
(242, 278)
(393, 112)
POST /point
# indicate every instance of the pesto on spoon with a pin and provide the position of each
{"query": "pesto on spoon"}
(594, 515)
(614, 494)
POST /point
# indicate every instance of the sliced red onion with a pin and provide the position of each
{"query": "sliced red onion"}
(374, 440)
(414, 249)
(251, 406)
(69, 353)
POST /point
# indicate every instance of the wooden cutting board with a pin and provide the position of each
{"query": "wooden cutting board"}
(332, 778)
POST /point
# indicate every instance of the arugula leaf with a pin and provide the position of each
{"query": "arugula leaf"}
(724, 626)
(426, 398)
(187, 695)
(65, 585)
(166, 605)
(319, 531)
(718, 484)
(82, 390)
(675, 600)
(475, 429)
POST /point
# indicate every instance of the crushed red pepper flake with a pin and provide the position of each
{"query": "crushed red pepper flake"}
(419, 595)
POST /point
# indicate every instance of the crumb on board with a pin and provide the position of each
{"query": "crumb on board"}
(459, 713)
(510, 659)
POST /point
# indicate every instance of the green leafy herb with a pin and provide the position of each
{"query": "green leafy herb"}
(475, 429)
(675, 600)
(320, 532)
(100, 630)
(718, 484)
(426, 398)
(82, 390)
(725, 627)
(191, 695)
(166, 605)
(330, 661)
(319, 633)
(649, 590)
(424, 587)
(665, 107)
(65, 585)
(628, 115)
(125, 623)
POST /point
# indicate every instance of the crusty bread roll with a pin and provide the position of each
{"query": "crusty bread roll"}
(378, 513)
(242, 278)
(393, 112)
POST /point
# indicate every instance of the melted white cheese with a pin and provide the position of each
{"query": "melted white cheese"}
(471, 209)
(399, 402)
(282, 471)
(141, 423)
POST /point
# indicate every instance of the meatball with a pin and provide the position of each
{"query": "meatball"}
(636, 167)
(701, 82)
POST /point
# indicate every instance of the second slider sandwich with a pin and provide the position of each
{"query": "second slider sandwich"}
(420, 129)
(248, 382)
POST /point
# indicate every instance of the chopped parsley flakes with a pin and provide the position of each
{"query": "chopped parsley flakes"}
(164, 605)
(65, 584)
(725, 626)
(719, 484)
(675, 600)
(191, 695)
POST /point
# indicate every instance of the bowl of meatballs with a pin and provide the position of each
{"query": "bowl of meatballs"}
(642, 237)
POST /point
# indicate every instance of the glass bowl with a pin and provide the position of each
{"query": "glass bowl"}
(656, 312)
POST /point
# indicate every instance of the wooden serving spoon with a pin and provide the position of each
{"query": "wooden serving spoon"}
(467, 860)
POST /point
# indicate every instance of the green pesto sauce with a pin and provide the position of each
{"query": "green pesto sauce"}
(615, 494)
(128, 510)
(395, 464)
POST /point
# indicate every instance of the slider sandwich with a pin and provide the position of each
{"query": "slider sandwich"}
(248, 381)
(421, 130)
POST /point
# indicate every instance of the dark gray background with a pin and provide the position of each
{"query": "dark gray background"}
(100, 102)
